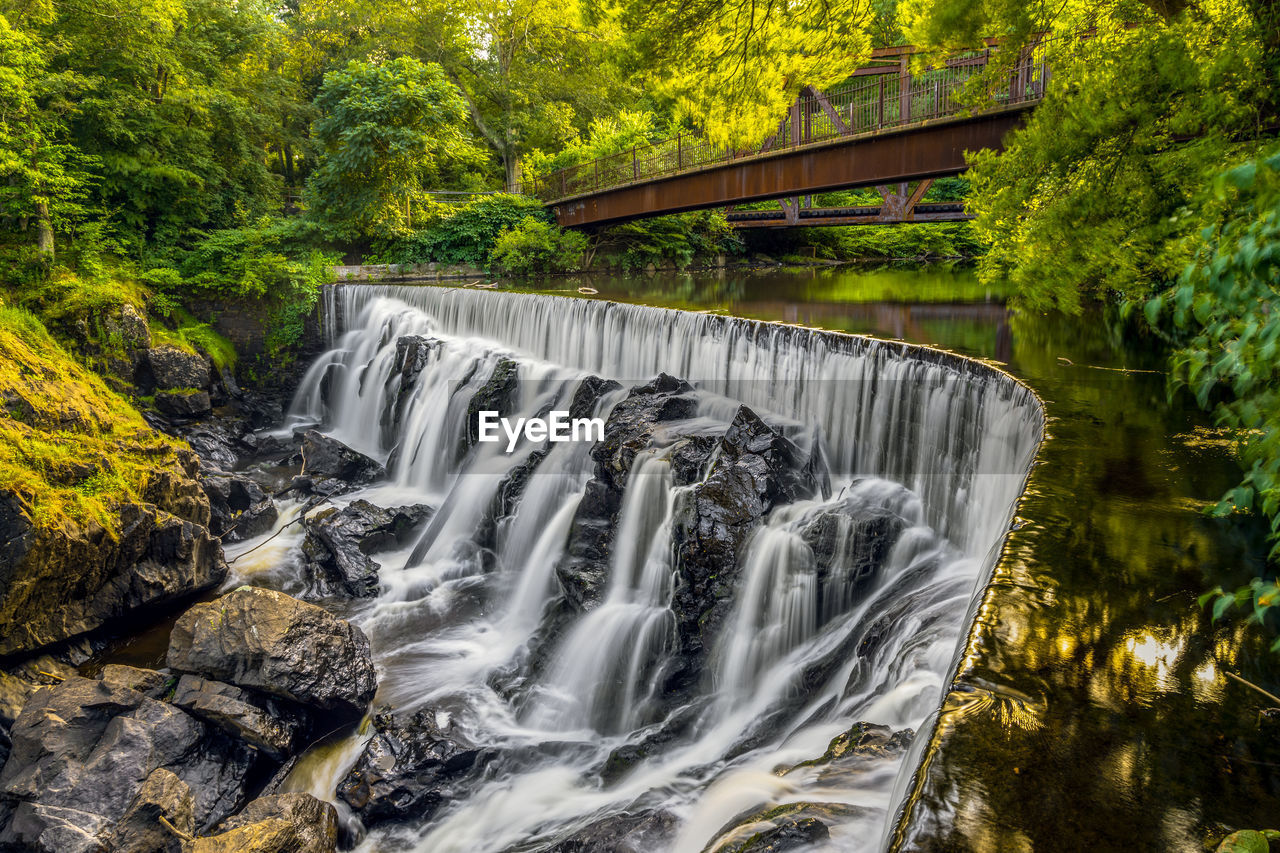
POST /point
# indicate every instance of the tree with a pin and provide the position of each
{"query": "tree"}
(1091, 196)
(41, 177)
(532, 73)
(386, 132)
(733, 66)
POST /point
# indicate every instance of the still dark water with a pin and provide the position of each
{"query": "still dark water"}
(1092, 710)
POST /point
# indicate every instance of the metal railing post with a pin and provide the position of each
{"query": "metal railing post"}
(679, 151)
(635, 165)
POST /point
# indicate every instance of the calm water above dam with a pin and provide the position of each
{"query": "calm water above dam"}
(1092, 711)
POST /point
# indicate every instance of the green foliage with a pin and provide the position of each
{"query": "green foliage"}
(386, 133)
(535, 246)
(1248, 841)
(607, 136)
(1227, 304)
(468, 234)
(1088, 196)
(916, 241)
(669, 240)
(269, 265)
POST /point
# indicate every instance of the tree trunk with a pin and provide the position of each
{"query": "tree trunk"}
(44, 229)
(511, 166)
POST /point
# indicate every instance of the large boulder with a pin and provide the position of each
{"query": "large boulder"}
(339, 543)
(184, 404)
(272, 643)
(408, 770)
(327, 459)
(84, 751)
(280, 823)
(60, 582)
(172, 368)
(413, 353)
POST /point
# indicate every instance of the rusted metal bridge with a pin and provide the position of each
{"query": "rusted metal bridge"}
(886, 128)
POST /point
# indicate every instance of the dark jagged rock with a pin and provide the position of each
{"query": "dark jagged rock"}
(170, 368)
(409, 769)
(60, 583)
(495, 395)
(504, 502)
(184, 404)
(757, 468)
(240, 508)
(325, 458)
(280, 823)
(588, 394)
(583, 571)
(83, 751)
(861, 742)
(675, 728)
(629, 832)
(275, 644)
(850, 544)
(339, 543)
(258, 721)
(413, 352)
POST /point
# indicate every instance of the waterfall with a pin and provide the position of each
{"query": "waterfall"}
(848, 606)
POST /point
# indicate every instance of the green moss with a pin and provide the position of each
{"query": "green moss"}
(78, 450)
(190, 335)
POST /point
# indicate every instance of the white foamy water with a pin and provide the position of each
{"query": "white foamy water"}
(936, 445)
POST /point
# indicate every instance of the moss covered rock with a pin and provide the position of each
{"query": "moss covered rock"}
(100, 516)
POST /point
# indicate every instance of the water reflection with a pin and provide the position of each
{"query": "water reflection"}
(1091, 710)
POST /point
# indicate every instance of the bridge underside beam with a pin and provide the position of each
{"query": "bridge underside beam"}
(912, 153)
(821, 217)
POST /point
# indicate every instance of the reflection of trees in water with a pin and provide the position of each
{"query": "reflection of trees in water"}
(1092, 616)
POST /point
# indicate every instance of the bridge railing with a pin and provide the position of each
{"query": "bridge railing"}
(875, 100)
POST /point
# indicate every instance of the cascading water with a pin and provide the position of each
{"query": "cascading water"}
(849, 605)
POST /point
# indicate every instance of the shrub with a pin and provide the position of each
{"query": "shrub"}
(469, 234)
(670, 240)
(536, 246)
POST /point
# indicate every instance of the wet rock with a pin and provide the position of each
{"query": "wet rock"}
(850, 543)
(255, 720)
(59, 583)
(413, 353)
(633, 421)
(89, 747)
(505, 500)
(172, 368)
(788, 827)
(583, 571)
(184, 404)
(862, 742)
(148, 682)
(757, 469)
(240, 508)
(39, 828)
(139, 830)
(497, 394)
(325, 458)
(339, 543)
(629, 832)
(310, 826)
(588, 394)
(409, 769)
(270, 642)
